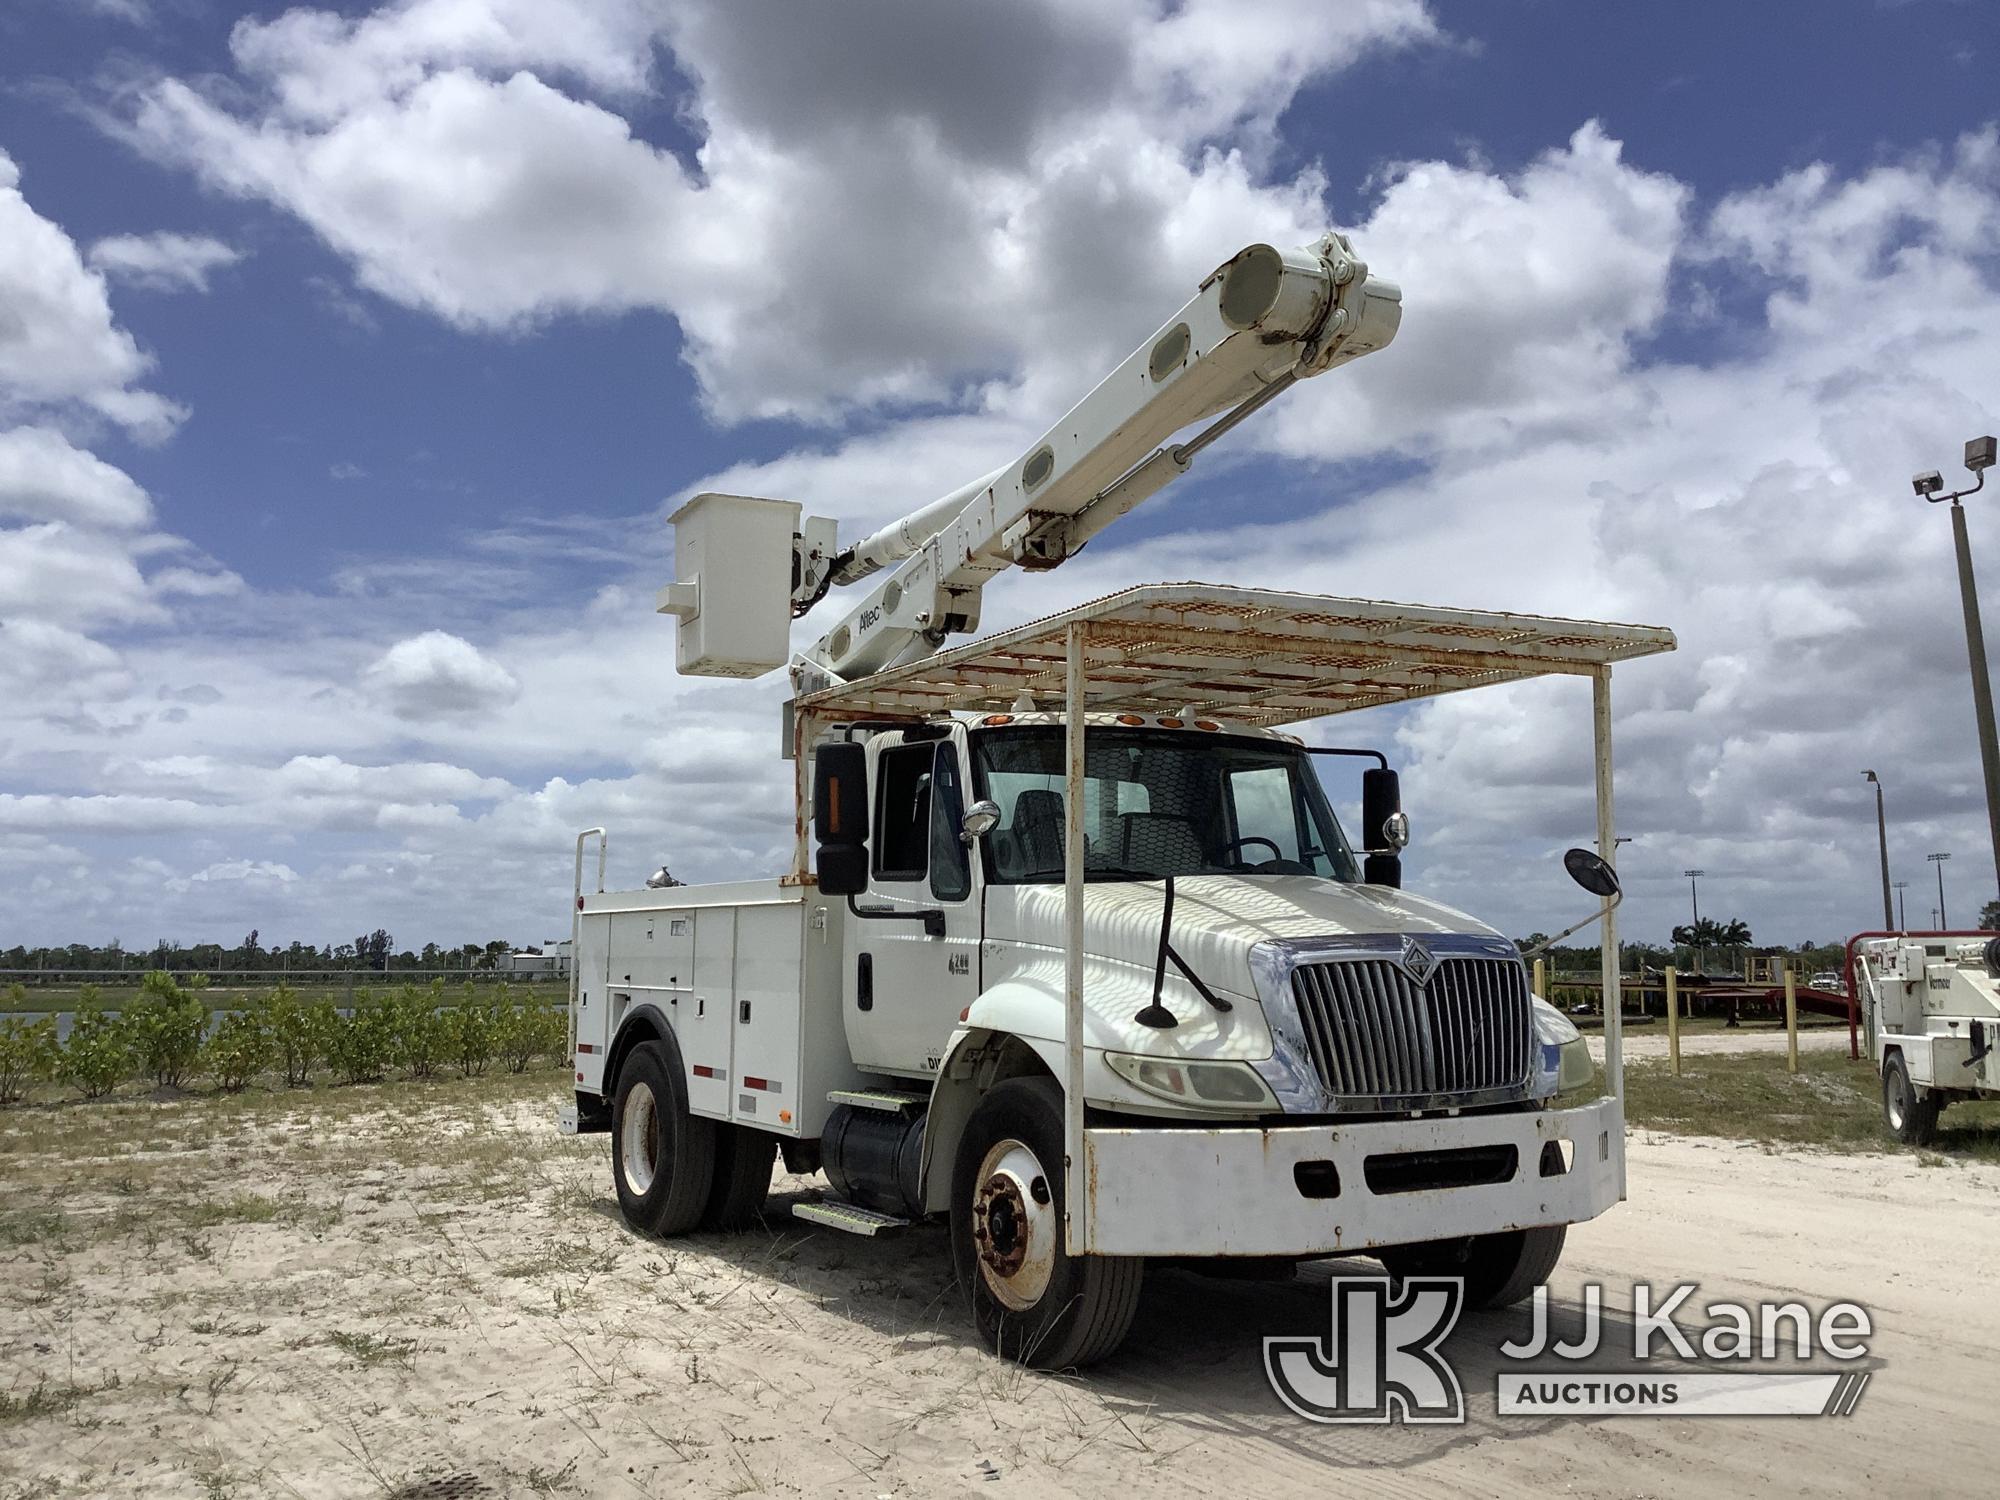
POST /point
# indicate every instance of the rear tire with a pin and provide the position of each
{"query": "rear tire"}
(1911, 1120)
(1499, 1269)
(1031, 1301)
(742, 1177)
(662, 1157)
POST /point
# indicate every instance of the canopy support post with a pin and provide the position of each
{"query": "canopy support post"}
(1076, 1198)
(1609, 966)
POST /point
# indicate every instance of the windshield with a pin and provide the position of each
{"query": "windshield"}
(1157, 802)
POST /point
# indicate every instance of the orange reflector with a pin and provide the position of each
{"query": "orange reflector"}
(1208, 724)
(1171, 724)
(964, 1013)
(784, 1117)
(992, 719)
(1130, 719)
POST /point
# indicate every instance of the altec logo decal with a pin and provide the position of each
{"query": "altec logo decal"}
(1382, 1359)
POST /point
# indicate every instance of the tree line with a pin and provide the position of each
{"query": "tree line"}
(372, 952)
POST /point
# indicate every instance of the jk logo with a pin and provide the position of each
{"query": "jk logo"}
(1380, 1360)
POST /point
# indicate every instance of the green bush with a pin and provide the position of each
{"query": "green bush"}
(28, 1052)
(363, 1043)
(301, 1032)
(529, 1029)
(98, 1054)
(473, 1029)
(240, 1047)
(422, 1030)
(166, 1024)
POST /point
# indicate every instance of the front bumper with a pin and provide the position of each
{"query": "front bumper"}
(1236, 1190)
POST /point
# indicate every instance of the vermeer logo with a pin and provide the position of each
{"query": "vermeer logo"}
(1379, 1361)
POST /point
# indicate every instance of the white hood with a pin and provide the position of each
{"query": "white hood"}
(1217, 918)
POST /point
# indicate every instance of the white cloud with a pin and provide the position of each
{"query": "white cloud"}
(162, 262)
(58, 345)
(916, 225)
(43, 477)
(437, 673)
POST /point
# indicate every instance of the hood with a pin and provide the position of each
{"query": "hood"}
(1217, 918)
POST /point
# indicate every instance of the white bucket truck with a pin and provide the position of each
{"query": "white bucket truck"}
(1930, 1009)
(1073, 951)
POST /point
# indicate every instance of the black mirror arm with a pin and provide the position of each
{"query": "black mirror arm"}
(933, 919)
(1597, 916)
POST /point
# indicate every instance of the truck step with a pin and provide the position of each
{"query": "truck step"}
(892, 1100)
(850, 1218)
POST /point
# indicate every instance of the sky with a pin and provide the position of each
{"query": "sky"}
(352, 357)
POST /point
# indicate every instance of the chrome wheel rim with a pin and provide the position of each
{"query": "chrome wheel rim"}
(1015, 1231)
(639, 1139)
(1896, 1105)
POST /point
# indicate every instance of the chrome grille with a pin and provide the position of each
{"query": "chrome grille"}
(1375, 1033)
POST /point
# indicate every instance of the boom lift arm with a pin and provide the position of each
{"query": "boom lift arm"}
(1260, 322)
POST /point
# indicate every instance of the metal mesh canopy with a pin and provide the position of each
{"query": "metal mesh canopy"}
(1257, 656)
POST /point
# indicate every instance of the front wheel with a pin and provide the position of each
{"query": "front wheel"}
(1031, 1300)
(1499, 1269)
(1913, 1121)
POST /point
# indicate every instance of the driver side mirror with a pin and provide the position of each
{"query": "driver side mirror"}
(840, 818)
(1385, 829)
(980, 819)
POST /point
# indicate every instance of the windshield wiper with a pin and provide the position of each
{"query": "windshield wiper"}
(1121, 872)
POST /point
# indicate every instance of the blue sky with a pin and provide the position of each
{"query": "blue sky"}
(475, 290)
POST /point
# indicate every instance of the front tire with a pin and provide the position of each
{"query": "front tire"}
(1499, 1269)
(1031, 1300)
(1911, 1120)
(662, 1157)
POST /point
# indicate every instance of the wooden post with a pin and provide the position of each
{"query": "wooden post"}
(1673, 1021)
(1791, 1020)
(1542, 980)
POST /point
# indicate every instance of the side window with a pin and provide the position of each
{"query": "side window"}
(1265, 813)
(902, 812)
(951, 859)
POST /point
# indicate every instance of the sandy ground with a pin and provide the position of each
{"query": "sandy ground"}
(429, 1293)
(1651, 1041)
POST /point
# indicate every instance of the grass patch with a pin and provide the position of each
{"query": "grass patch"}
(373, 1348)
(46, 1400)
(1831, 1103)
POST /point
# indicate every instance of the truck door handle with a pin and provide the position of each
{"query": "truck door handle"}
(744, 1017)
(864, 981)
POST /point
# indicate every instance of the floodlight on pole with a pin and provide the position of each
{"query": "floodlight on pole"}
(1902, 917)
(1882, 840)
(1938, 860)
(1929, 485)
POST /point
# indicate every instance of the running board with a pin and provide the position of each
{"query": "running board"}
(892, 1100)
(850, 1218)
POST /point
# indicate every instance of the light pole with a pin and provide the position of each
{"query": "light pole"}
(1944, 920)
(1902, 919)
(1694, 900)
(1979, 456)
(1882, 839)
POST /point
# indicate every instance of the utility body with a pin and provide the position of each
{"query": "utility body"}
(1074, 951)
(1930, 1013)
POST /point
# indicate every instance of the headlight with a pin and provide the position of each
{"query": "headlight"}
(1566, 1062)
(1195, 1084)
